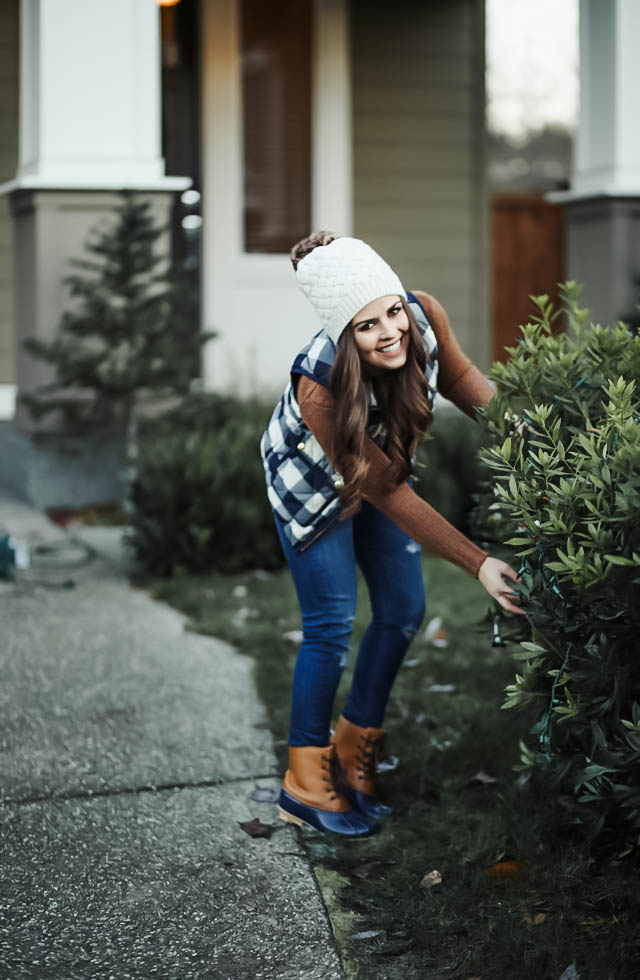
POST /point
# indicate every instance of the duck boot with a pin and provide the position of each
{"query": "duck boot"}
(357, 749)
(309, 794)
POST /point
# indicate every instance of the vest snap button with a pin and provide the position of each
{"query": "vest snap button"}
(300, 446)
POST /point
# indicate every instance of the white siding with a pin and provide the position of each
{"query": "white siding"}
(418, 126)
(8, 163)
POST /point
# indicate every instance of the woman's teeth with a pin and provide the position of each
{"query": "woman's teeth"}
(391, 348)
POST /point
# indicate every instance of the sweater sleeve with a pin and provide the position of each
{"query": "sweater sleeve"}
(411, 513)
(458, 379)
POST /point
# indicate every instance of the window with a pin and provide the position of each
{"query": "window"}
(276, 99)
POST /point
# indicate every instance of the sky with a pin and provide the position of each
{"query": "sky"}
(532, 65)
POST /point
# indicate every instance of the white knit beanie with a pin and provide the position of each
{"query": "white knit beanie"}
(340, 278)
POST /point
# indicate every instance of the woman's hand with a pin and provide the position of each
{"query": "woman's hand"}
(492, 574)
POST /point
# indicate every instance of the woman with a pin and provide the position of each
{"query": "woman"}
(337, 454)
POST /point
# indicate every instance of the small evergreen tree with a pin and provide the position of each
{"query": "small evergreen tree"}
(129, 333)
(565, 423)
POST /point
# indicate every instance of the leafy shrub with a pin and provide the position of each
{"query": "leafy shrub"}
(130, 332)
(199, 500)
(566, 500)
(449, 471)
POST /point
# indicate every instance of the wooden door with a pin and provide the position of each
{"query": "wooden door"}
(527, 258)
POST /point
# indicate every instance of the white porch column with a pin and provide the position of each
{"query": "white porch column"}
(332, 176)
(607, 158)
(89, 126)
(90, 95)
(602, 208)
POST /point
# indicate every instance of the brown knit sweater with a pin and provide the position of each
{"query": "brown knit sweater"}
(458, 380)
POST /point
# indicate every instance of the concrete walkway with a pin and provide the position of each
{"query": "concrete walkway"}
(129, 750)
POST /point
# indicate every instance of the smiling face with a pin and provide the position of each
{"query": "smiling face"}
(381, 333)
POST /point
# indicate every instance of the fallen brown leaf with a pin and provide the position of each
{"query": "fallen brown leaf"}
(256, 828)
(431, 879)
(533, 920)
(505, 869)
(592, 923)
(435, 633)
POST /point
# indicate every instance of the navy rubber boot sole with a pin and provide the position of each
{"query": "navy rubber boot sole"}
(352, 823)
(368, 806)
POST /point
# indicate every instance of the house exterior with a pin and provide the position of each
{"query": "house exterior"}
(602, 206)
(79, 119)
(397, 114)
(360, 116)
(356, 115)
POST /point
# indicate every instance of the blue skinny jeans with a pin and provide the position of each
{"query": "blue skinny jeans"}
(326, 582)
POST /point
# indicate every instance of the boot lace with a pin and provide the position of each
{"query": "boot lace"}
(331, 773)
(366, 754)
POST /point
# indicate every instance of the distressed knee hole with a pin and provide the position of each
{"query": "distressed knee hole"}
(409, 632)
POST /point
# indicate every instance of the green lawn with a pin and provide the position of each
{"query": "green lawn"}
(564, 904)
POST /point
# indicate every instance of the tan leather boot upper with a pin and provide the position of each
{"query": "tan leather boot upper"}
(310, 777)
(357, 750)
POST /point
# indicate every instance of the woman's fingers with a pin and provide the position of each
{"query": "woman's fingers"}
(505, 595)
(494, 575)
(507, 604)
(510, 572)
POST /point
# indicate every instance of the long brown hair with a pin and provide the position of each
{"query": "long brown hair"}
(403, 402)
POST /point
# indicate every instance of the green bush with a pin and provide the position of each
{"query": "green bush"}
(199, 501)
(130, 333)
(566, 501)
(448, 472)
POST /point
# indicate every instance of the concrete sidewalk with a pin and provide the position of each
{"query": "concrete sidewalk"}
(129, 750)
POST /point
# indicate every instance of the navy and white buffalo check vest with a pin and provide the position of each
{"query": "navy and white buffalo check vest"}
(302, 485)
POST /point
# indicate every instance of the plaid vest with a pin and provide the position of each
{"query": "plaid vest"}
(302, 485)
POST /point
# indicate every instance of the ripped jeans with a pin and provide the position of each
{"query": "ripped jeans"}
(326, 582)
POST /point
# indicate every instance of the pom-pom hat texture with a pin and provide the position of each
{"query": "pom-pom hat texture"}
(340, 278)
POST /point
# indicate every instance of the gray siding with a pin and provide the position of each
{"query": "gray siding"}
(418, 118)
(8, 164)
